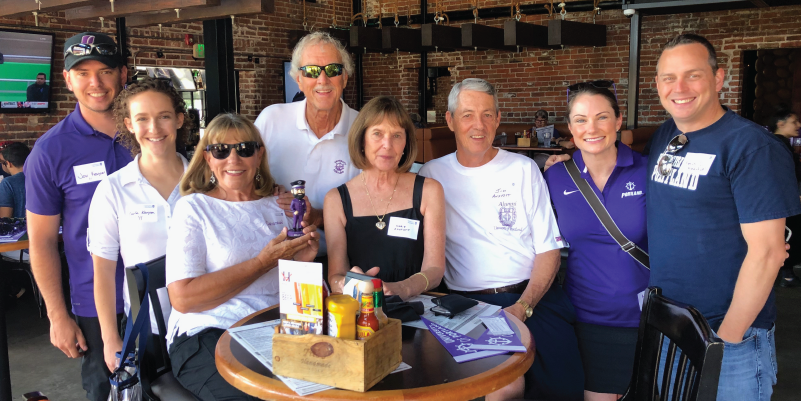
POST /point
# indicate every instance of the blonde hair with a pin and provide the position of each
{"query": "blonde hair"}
(374, 112)
(198, 175)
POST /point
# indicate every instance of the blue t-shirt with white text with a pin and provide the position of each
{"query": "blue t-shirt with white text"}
(730, 173)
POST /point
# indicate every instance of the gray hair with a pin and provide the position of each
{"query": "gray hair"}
(315, 38)
(471, 84)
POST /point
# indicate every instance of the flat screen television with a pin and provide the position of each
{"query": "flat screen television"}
(26, 69)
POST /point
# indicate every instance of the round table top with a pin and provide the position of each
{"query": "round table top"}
(14, 246)
(434, 375)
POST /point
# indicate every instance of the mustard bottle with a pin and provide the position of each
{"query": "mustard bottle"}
(342, 310)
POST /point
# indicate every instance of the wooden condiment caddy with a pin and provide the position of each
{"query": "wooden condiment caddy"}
(347, 364)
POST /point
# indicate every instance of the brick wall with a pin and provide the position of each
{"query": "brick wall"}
(534, 79)
(528, 80)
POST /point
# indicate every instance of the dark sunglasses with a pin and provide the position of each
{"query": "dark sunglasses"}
(80, 49)
(601, 83)
(665, 164)
(314, 71)
(221, 151)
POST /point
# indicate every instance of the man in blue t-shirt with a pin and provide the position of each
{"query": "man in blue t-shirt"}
(719, 190)
(12, 189)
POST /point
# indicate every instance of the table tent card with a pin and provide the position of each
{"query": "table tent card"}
(458, 345)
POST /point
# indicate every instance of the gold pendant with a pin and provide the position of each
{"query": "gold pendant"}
(380, 225)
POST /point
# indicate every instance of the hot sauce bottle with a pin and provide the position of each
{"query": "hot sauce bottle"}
(378, 300)
(367, 323)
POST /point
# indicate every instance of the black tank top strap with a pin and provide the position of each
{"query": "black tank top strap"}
(417, 195)
(347, 207)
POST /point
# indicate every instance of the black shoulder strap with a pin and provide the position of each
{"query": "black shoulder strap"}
(344, 194)
(417, 194)
(603, 215)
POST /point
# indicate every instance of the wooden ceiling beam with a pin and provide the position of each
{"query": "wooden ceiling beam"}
(10, 8)
(572, 33)
(441, 38)
(226, 9)
(128, 7)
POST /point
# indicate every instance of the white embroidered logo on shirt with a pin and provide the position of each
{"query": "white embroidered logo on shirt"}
(630, 186)
(568, 193)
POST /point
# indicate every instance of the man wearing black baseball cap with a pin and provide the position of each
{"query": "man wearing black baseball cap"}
(61, 175)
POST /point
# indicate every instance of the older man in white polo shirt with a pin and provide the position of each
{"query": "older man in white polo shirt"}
(308, 140)
(502, 243)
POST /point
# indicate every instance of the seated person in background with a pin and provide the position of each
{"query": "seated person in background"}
(12, 188)
(3, 173)
(226, 237)
(12, 196)
(151, 118)
(502, 243)
(387, 220)
(541, 121)
(602, 280)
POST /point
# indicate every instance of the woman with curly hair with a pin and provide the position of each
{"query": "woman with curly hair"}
(131, 209)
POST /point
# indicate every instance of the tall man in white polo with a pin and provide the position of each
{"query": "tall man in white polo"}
(502, 241)
(308, 140)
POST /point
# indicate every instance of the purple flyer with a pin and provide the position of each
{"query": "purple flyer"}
(499, 342)
(458, 345)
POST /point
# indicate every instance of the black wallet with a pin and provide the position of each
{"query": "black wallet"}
(452, 304)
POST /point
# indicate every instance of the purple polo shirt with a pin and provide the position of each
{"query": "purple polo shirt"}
(61, 174)
(602, 281)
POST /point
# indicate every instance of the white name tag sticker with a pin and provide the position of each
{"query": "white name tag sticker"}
(144, 213)
(404, 228)
(696, 163)
(91, 172)
(641, 297)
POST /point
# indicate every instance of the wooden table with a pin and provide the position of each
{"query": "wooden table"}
(434, 374)
(5, 372)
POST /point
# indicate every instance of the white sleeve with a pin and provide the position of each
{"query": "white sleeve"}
(545, 233)
(103, 234)
(186, 244)
(262, 124)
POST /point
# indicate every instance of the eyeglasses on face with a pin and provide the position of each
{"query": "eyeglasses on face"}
(221, 151)
(81, 49)
(314, 71)
(601, 83)
(665, 164)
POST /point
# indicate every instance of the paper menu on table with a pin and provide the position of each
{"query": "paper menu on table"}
(258, 340)
(458, 345)
(462, 323)
(500, 340)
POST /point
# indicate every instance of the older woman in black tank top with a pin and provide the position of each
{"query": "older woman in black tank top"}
(386, 221)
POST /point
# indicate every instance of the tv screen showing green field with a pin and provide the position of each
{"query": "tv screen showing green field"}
(25, 59)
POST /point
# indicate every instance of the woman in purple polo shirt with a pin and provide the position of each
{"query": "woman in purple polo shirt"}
(131, 209)
(603, 281)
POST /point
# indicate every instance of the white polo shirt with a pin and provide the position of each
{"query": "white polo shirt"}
(497, 218)
(129, 217)
(295, 153)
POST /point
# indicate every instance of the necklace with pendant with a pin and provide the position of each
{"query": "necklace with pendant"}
(380, 225)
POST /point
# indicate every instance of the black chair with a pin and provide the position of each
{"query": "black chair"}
(701, 353)
(158, 382)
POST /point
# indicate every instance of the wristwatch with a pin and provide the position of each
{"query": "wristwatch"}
(529, 309)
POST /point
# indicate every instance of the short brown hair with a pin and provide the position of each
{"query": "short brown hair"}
(374, 113)
(197, 177)
(690, 38)
(122, 111)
